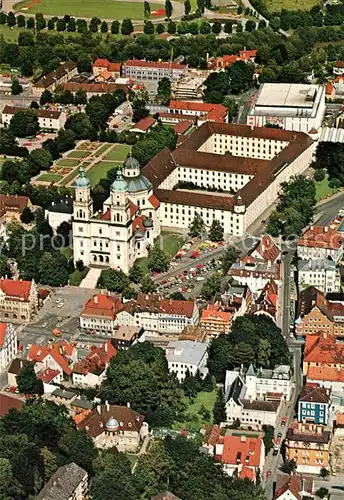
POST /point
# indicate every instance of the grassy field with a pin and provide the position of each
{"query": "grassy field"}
(67, 162)
(108, 9)
(172, 242)
(322, 189)
(78, 154)
(99, 171)
(118, 153)
(76, 277)
(49, 177)
(10, 35)
(102, 149)
(194, 421)
(277, 5)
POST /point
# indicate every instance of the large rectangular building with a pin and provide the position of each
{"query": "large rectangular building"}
(236, 171)
(47, 120)
(299, 107)
(152, 71)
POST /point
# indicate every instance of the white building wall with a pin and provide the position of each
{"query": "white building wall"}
(315, 253)
(9, 349)
(327, 281)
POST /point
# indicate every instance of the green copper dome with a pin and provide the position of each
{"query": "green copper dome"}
(119, 185)
(82, 181)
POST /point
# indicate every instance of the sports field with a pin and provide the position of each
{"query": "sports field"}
(104, 9)
(277, 5)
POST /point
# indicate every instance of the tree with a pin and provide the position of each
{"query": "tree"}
(216, 28)
(139, 108)
(324, 472)
(148, 285)
(39, 159)
(51, 24)
(114, 281)
(84, 66)
(264, 353)
(16, 88)
(79, 448)
(148, 28)
(127, 27)
(34, 105)
(81, 125)
(104, 27)
(71, 25)
(158, 260)
(30, 23)
(9, 485)
(250, 25)
(171, 28)
(200, 6)
(41, 23)
(242, 354)
(24, 123)
(5, 271)
(80, 97)
(216, 231)
(268, 438)
(197, 226)
(209, 383)
(11, 20)
(53, 269)
(168, 9)
(210, 286)
(160, 28)
(205, 28)
(61, 25)
(228, 258)
(231, 106)
(228, 27)
(219, 410)
(136, 273)
(177, 296)
(26, 216)
(164, 91)
(21, 21)
(289, 467)
(46, 97)
(27, 381)
(321, 492)
(147, 10)
(319, 175)
(187, 7)
(240, 77)
(115, 27)
(94, 24)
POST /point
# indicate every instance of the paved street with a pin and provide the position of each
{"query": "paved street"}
(328, 209)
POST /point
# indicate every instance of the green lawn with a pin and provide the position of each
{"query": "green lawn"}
(322, 189)
(118, 152)
(10, 35)
(76, 277)
(67, 178)
(102, 149)
(67, 162)
(193, 421)
(109, 9)
(78, 154)
(67, 252)
(277, 5)
(99, 171)
(49, 177)
(172, 242)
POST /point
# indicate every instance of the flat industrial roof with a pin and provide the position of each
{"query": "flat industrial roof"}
(290, 95)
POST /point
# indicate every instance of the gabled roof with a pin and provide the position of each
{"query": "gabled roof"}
(95, 422)
(101, 63)
(96, 360)
(16, 289)
(153, 200)
(241, 450)
(247, 473)
(102, 306)
(314, 395)
(3, 330)
(7, 402)
(12, 203)
(59, 351)
(181, 127)
(325, 374)
(47, 375)
(323, 348)
(321, 237)
(267, 248)
(63, 483)
(144, 124)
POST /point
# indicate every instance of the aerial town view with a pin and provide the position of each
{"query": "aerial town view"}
(171, 250)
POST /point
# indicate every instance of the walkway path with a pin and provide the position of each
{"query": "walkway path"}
(91, 279)
(94, 161)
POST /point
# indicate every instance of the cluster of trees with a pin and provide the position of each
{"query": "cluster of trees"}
(236, 78)
(61, 96)
(198, 228)
(330, 161)
(295, 208)
(153, 142)
(119, 282)
(253, 339)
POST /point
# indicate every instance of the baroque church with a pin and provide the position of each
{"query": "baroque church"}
(128, 224)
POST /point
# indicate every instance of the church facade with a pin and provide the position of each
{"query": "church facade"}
(128, 224)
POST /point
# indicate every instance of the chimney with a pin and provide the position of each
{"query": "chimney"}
(106, 346)
(96, 299)
(311, 228)
(107, 406)
(319, 430)
(325, 229)
(128, 405)
(243, 439)
(99, 409)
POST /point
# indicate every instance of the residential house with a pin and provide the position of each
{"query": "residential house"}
(308, 444)
(259, 266)
(57, 356)
(69, 482)
(103, 65)
(99, 314)
(320, 242)
(263, 383)
(14, 370)
(241, 455)
(156, 314)
(125, 336)
(50, 81)
(12, 206)
(7, 402)
(197, 111)
(144, 125)
(140, 70)
(330, 92)
(215, 321)
(59, 212)
(330, 377)
(337, 446)
(338, 68)
(318, 313)
(183, 127)
(211, 436)
(321, 273)
(185, 356)
(322, 350)
(250, 412)
(294, 487)
(314, 404)
(91, 371)
(112, 425)
(338, 84)
(227, 60)
(267, 302)
(47, 120)
(96, 89)
(237, 299)
(18, 300)
(8, 345)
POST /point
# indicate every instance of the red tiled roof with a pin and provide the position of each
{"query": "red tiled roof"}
(321, 237)
(12, 203)
(144, 124)
(325, 374)
(339, 64)
(18, 289)
(59, 351)
(212, 435)
(133, 208)
(196, 106)
(339, 78)
(215, 115)
(96, 360)
(153, 200)
(241, 450)
(181, 127)
(41, 113)
(137, 224)
(247, 54)
(95, 422)
(47, 375)
(323, 348)
(101, 63)
(328, 88)
(211, 315)
(115, 67)
(247, 472)
(267, 249)
(146, 64)
(155, 303)
(101, 306)
(7, 402)
(106, 75)
(3, 328)
(106, 215)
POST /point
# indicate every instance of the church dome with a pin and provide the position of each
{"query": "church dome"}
(82, 180)
(119, 185)
(147, 223)
(112, 424)
(131, 163)
(137, 184)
